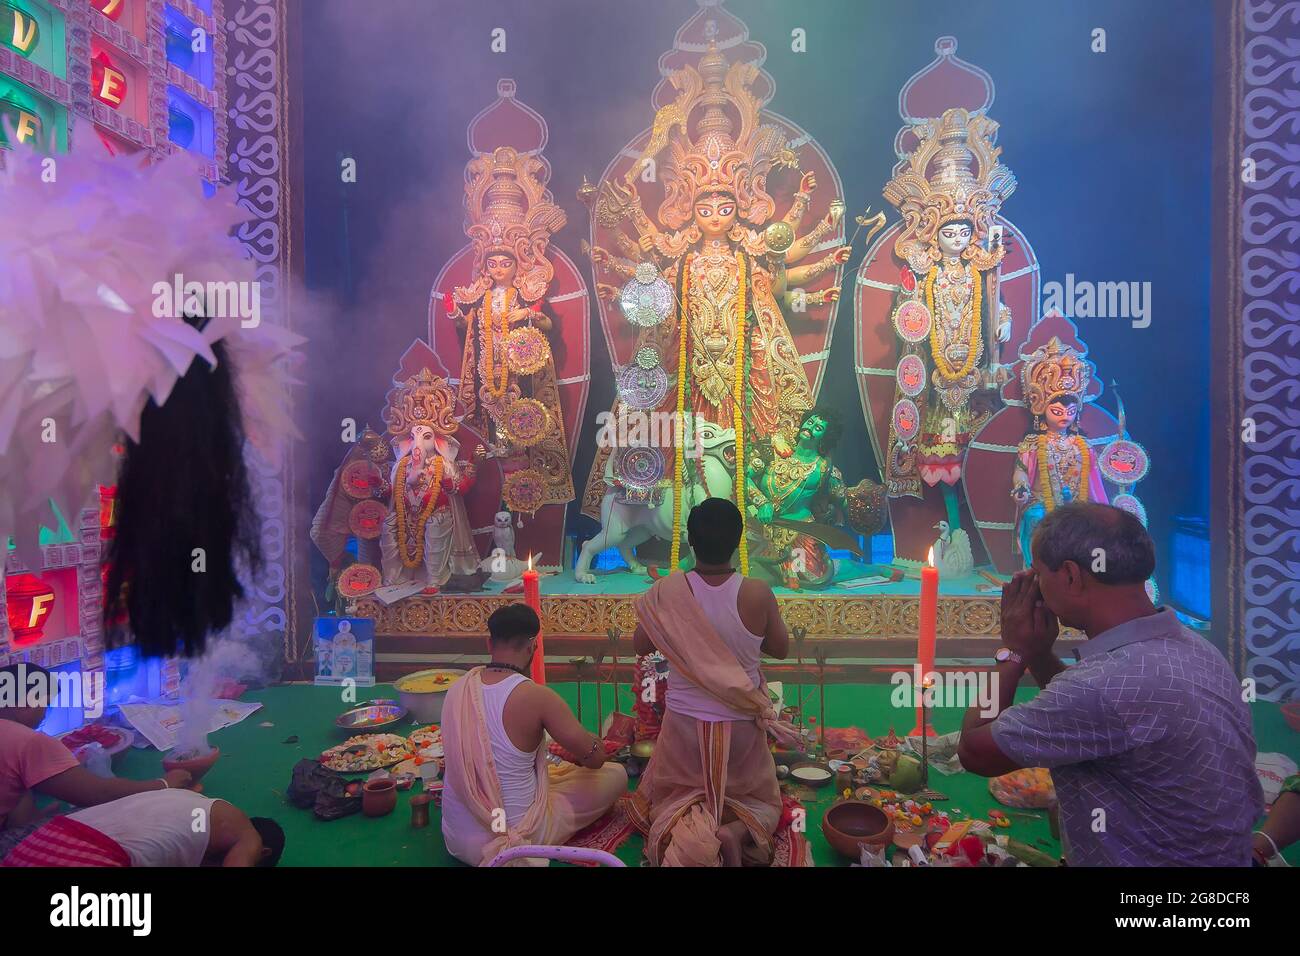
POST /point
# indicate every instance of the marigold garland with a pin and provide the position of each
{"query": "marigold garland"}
(487, 342)
(683, 288)
(972, 352)
(1085, 469)
(411, 557)
(737, 404)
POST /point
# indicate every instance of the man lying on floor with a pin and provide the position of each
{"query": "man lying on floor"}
(709, 794)
(33, 762)
(495, 720)
(157, 828)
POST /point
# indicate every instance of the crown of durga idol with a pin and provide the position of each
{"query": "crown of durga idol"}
(1053, 370)
(509, 210)
(952, 175)
(716, 140)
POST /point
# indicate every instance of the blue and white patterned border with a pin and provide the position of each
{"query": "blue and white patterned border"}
(257, 107)
(1267, 471)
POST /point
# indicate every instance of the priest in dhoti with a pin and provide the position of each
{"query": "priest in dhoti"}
(499, 790)
(709, 795)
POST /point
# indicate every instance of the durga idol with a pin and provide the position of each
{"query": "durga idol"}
(719, 272)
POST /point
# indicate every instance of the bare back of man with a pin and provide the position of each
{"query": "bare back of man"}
(759, 613)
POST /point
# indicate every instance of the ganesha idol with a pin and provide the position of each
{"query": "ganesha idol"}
(427, 536)
(401, 495)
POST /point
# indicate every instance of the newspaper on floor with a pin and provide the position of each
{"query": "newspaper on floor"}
(158, 723)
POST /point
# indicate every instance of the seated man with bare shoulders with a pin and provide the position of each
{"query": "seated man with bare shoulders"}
(499, 793)
(710, 795)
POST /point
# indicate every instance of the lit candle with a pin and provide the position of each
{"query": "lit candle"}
(927, 621)
(533, 598)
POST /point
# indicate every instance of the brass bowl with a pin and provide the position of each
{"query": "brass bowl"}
(849, 824)
(370, 718)
(810, 781)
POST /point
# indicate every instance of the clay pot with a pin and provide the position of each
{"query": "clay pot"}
(378, 798)
(197, 766)
(850, 823)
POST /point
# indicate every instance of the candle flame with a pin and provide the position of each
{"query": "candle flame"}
(530, 561)
(929, 558)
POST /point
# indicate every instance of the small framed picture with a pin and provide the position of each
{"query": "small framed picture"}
(345, 650)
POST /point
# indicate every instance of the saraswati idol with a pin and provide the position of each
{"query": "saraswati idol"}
(706, 289)
(507, 382)
(947, 314)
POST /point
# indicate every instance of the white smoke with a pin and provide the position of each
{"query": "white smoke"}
(225, 658)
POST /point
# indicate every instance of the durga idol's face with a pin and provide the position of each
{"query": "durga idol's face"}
(715, 214)
(954, 238)
(500, 269)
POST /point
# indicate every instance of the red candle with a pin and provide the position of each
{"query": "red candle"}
(928, 618)
(533, 598)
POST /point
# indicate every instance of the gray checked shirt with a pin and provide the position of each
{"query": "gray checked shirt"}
(1150, 746)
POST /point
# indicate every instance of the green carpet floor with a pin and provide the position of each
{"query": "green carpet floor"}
(255, 766)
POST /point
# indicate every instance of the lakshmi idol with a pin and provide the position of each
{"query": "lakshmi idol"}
(705, 289)
(947, 313)
(1054, 463)
(507, 380)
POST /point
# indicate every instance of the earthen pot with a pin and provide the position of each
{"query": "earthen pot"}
(378, 798)
(197, 766)
(850, 823)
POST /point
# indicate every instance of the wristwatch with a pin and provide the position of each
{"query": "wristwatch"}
(1004, 654)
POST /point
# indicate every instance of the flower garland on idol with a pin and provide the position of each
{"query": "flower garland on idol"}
(683, 288)
(487, 342)
(972, 350)
(1085, 469)
(412, 555)
(737, 403)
